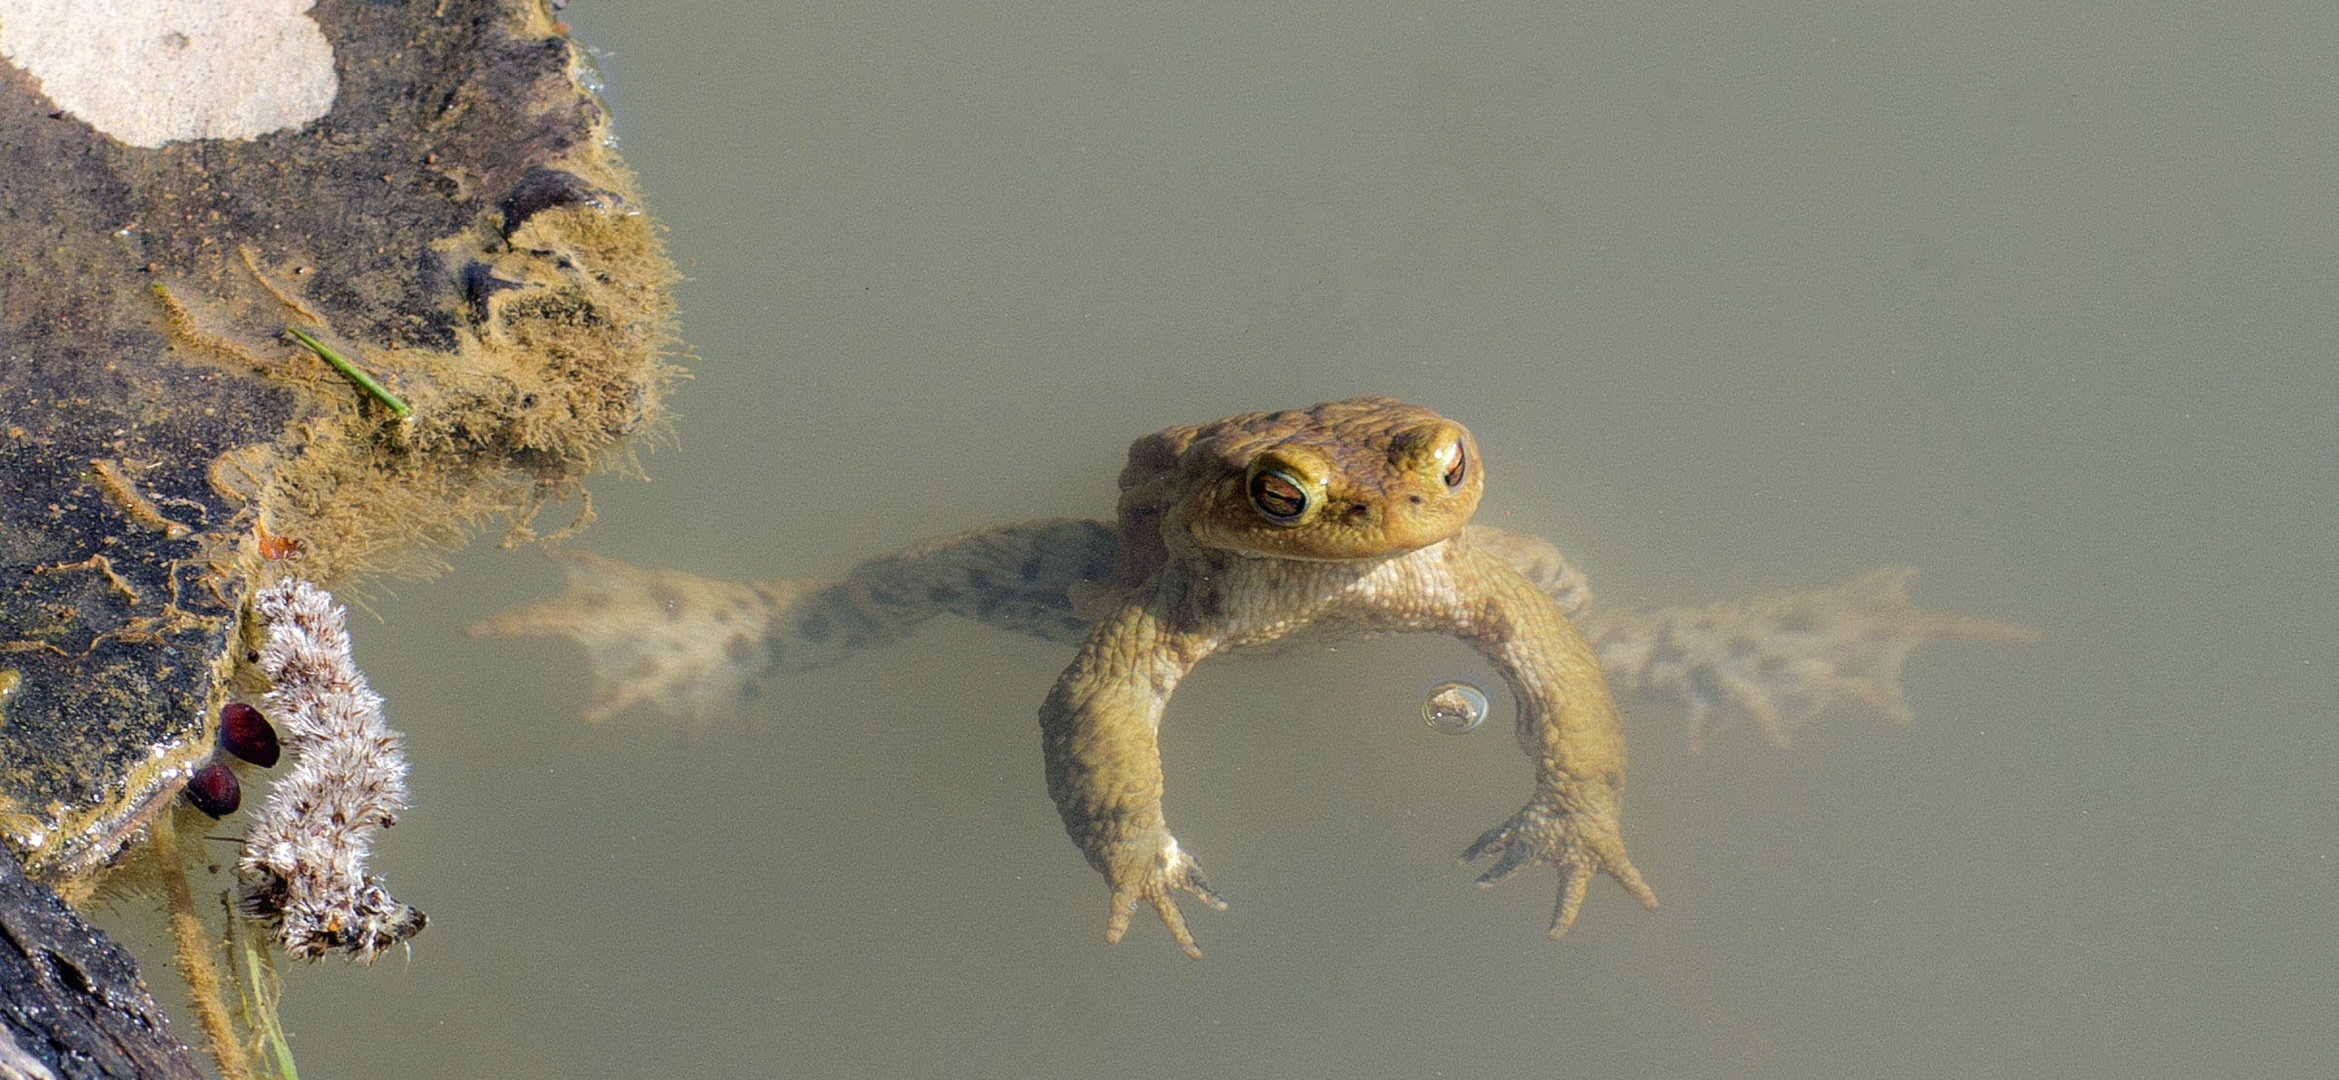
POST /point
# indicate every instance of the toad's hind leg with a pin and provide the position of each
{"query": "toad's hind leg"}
(684, 643)
(1780, 659)
(692, 646)
(1777, 660)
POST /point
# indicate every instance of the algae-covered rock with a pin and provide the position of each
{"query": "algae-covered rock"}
(452, 221)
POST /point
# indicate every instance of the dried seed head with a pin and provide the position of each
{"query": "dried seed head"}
(303, 867)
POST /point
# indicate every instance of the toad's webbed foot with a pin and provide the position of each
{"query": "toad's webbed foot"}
(1155, 880)
(1780, 659)
(686, 644)
(1577, 840)
(693, 646)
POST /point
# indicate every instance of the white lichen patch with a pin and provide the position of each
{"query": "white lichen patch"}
(149, 72)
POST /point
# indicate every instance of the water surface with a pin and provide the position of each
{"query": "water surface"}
(1735, 297)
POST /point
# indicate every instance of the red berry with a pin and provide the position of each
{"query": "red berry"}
(214, 790)
(248, 735)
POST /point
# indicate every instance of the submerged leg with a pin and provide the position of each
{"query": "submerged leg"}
(1781, 658)
(1776, 660)
(683, 643)
(691, 645)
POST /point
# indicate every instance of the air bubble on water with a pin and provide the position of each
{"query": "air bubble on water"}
(1454, 708)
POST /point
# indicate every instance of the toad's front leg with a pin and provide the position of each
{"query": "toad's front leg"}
(1567, 724)
(1100, 729)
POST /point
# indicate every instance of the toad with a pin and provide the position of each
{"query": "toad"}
(1347, 518)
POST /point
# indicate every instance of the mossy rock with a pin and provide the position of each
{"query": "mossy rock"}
(453, 221)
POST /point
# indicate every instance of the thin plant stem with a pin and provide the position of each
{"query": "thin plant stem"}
(196, 963)
(364, 381)
(260, 993)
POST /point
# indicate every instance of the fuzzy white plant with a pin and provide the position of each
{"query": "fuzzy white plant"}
(303, 866)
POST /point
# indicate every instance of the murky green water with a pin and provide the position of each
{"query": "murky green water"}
(1735, 298)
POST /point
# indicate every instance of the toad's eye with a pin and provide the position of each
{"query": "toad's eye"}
(1456, 459)
(1278, 496)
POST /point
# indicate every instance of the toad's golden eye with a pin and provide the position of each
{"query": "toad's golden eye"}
(1278, 496)
(1456, 459)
